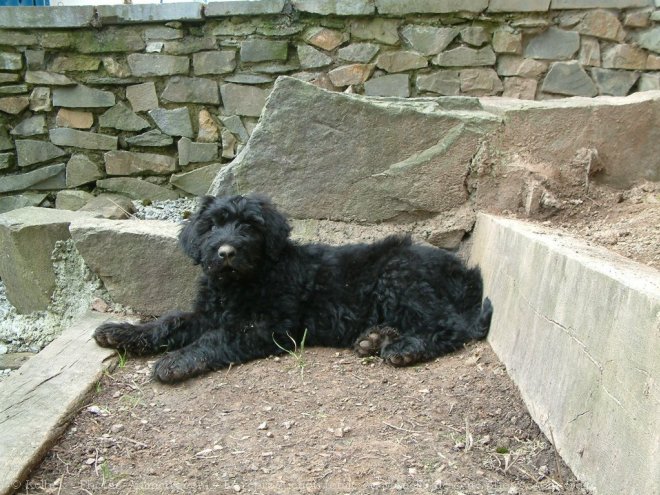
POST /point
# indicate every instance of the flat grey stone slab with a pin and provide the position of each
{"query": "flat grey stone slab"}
(244, 7)
(38, 400)
(126, 14)
(518, 5)
(577, 328)
(429, 6)
(335, 7)
(595, 4)
(410, 156)
(601, 123)
(137, 261)
(46, 17)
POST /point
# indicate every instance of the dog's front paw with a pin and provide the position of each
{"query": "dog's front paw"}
(177, 366)
(114, 335)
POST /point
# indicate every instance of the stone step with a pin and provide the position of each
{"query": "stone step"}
(578, 329)
(38, 400)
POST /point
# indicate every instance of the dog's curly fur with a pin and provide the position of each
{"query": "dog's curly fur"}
(404, 302)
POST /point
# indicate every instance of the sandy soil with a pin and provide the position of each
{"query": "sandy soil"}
(324, 421)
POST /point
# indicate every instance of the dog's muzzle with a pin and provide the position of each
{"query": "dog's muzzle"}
(226, 253)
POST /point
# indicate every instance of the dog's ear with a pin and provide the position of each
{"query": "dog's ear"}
(189, 237)
(276, 227)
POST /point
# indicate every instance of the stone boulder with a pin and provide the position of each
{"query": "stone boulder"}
(139, 262)
(345, 157)
(624, 131)
(28, 236)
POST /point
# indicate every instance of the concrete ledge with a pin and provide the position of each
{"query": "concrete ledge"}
(335, 7)
(244, 7)
(599, 4)
(578, 328)
(84, 16)
(143, 13)
(518, 6)
(430, 6)
(38, 400)
(46, 17)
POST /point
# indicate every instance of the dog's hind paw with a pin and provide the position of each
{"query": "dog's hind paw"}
(371, 342)
(405, 351)
(400, 359)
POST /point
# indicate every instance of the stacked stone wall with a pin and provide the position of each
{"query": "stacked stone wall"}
(150, 101)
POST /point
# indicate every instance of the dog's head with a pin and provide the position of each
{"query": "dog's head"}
(232, 237)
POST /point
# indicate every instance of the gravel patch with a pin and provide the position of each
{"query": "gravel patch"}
(172, 210)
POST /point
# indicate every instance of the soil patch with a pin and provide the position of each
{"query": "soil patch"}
(626, 222)
(334, 423)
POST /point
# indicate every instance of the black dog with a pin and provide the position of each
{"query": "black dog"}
(404, 302)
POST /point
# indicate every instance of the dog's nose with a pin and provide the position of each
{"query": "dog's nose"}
(226, 252)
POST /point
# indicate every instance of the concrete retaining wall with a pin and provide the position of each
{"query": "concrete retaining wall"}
(578, 329)
(136, 98)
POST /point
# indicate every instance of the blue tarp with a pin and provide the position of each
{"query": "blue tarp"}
(24, 3)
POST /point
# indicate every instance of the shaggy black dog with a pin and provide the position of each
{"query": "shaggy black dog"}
(404, 302)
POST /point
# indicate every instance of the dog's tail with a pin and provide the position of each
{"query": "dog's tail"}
(481, 324)
(480, 313)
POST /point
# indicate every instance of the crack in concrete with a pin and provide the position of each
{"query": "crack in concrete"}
(570, 333)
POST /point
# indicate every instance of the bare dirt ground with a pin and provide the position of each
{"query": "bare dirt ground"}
(330, 422)
(626, 222)
(333, 423)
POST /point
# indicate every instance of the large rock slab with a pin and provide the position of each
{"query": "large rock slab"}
(577, 328)
(600, 124)
(395, 159)
(39, 399)
(139, 262)
(28, 236)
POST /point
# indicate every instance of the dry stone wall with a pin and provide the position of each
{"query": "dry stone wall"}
(150, 101)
